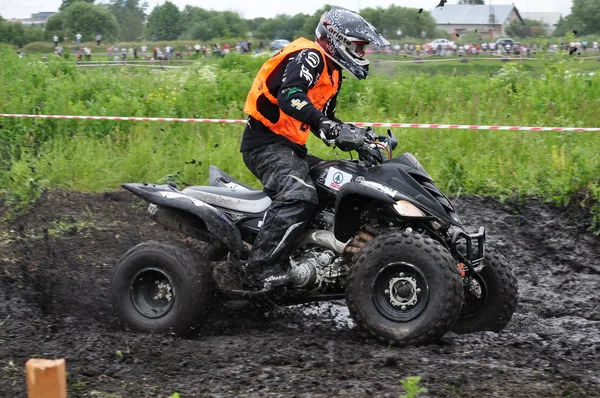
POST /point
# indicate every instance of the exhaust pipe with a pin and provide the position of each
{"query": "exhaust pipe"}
(327, 239)
(323, 238)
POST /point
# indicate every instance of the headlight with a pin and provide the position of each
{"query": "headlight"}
(407, 209)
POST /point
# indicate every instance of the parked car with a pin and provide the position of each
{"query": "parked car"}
(279, 44)
(507, 40)
(443, 42)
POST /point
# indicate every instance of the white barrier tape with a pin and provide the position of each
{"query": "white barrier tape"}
(360, 124)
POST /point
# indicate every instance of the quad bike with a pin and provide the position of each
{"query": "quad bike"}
(384, 237)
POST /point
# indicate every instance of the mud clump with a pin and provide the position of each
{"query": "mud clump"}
(55, 269)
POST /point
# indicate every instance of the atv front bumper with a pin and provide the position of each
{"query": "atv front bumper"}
(469, 249)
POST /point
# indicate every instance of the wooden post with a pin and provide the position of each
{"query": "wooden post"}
(46, 378)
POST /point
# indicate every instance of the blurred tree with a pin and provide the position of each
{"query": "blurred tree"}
(67, 3)
(194, 19)
(585, 16)
(255, 23)
(89, 19)
(200, 24)
(130, 15)
(267, 29)
(283, 27)
(34, 33)
(407, 20)
(527, 28)
(296, 26)
(566, 25)
(164, 23)
(236, 25)
(54, 25)
(218, 27)
(18, 34)
(310, 24)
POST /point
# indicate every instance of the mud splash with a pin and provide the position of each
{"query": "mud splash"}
(55, 265)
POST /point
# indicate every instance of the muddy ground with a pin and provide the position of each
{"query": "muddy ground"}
(55, 267)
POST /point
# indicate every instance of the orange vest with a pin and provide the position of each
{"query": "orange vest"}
(325, 88)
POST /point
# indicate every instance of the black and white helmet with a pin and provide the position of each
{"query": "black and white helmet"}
(344, 36)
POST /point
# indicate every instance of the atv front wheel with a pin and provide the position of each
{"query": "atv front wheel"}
(404, 288)
(162, 287)
(490, 296)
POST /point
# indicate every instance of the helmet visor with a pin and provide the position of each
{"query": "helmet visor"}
(359, 47)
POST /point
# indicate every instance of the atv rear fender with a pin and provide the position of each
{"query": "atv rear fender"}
(216, 221)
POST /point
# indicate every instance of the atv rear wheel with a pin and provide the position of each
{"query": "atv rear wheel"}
(162, 287)
(490, 296)
(404, 288)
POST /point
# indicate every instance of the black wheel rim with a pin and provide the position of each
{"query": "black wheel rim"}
(152, 292)
(400, 292)
(473, 303)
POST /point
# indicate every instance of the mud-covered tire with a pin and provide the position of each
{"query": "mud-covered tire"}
(162, 287)
(499, 290)
(416, 266)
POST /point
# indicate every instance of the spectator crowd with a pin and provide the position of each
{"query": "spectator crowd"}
(484, 48)
(115, 52)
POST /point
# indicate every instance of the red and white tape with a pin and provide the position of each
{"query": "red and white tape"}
(361, 124)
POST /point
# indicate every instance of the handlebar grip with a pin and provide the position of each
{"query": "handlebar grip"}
(325, 140)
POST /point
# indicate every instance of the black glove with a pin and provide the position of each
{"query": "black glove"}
(328, 129)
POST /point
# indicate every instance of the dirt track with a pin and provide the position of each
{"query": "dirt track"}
(55, 265)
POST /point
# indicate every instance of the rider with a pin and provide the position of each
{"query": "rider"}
(295, 91)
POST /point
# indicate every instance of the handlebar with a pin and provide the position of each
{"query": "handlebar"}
(365, 142)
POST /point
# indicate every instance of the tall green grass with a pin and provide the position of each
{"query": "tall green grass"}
(99, 155)
(470, 66)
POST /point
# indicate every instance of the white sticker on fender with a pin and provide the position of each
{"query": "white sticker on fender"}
(336, 178)
(176, 195)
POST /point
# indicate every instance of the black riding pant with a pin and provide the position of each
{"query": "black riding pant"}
(286, 180)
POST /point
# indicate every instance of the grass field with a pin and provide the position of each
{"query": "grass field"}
(99, 155)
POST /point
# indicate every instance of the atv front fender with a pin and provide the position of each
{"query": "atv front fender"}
(350, 203)
(216, 222)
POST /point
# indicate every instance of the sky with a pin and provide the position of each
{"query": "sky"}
(269, 8)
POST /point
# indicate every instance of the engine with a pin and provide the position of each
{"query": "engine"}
(317, 269)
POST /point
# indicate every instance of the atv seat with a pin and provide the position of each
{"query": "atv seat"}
(243, 200)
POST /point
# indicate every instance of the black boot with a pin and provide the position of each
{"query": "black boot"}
(234, 276)
(271, 276)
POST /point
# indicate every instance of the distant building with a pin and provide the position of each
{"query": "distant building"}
(488, 20)
(39, 18)
(549, 20)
